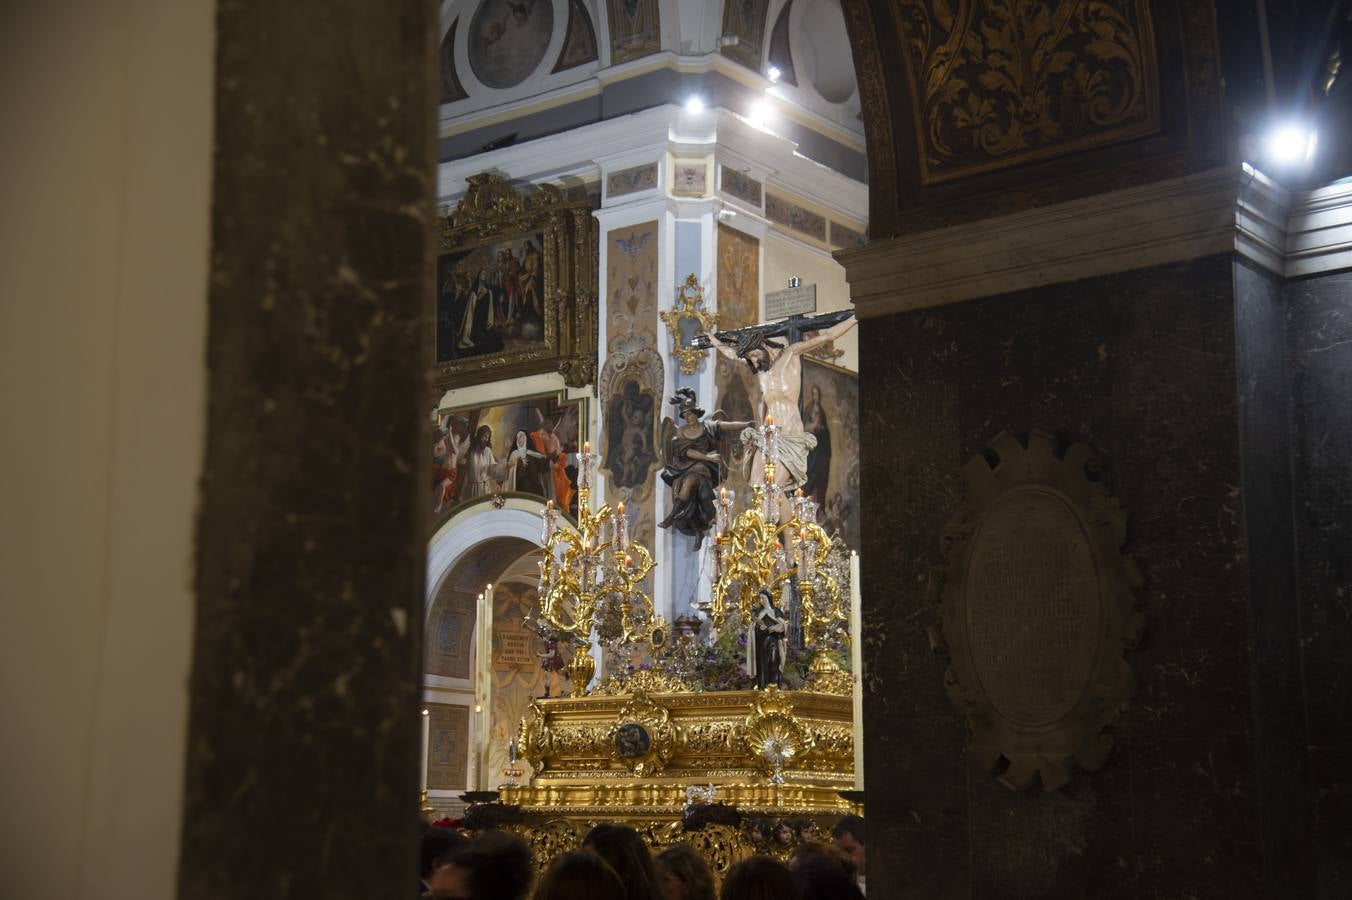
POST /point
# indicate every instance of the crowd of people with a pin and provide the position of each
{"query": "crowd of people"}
(614, 863)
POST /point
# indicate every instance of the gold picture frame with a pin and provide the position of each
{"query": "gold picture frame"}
(689, 311)
(516, 286)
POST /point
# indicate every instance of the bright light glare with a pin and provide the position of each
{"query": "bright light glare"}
(760, 111)
(694, 105)
(1290, 145)
(773, 73)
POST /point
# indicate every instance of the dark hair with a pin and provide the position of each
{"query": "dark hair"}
(851, 825)
(690, 869)
(622, 847)
(436, 843)
(813, 851)
(819, 877)
(497, 866)
(759, 878)
(580, 875)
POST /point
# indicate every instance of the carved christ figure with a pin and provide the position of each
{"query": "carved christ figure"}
(779, 372)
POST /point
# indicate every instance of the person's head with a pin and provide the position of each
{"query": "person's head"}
(810, 851)
(759, 878)
(437, 843)
(521, 440)
(821, 878)
(624, 849)
(767, 599)
(484, 436)
(494, 866)
(579, 875)
(690, 415)
(849, 839)
(684, 874)
(481, 278)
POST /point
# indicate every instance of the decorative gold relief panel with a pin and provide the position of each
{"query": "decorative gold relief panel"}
(998, 83)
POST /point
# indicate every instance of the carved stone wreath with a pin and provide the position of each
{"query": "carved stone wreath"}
(1038, 610)
(642, 736)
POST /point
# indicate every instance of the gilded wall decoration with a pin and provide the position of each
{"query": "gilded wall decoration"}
(516, 286)
(829, 401)
(740, 185)
(631, 180)
(745, 19)
(785, 212)
(447, 746)
(687, 320)
(1038, 610)
(634, 29)
(451, 88)
(631, 382)
(876, 111)
(1006, 82)
(738, 279)
(508, 39)
(579, 43)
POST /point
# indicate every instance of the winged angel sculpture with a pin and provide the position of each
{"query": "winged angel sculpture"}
(696, 454)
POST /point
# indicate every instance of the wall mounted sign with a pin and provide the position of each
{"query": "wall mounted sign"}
(794, 301)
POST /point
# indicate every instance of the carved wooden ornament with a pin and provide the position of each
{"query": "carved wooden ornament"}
(1038, 610)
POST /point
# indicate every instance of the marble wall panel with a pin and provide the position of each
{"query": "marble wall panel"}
(1318, 316)
(1143, 366)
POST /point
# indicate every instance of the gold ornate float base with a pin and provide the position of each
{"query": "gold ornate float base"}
(641, 759)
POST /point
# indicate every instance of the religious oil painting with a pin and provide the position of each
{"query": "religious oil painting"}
(739, 400)
(508, 39)
(738, 279)
(511, 266)
(448, 746)
(490, 298)
(630, 450)
(830, 408)
(526, 446)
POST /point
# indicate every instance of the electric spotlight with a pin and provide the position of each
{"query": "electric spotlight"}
(1290, 145)
(773, 73)
(694, 105)
(760, 111)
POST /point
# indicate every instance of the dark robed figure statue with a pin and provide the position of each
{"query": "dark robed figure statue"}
(694, 467)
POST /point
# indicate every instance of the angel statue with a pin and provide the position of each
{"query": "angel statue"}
(778, 368)
(694, 465)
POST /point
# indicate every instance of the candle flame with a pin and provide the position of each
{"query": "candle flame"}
(769, 421)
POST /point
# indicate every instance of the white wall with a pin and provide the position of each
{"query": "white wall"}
(104, 171)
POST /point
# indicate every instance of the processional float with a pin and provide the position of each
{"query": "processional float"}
(732, 772)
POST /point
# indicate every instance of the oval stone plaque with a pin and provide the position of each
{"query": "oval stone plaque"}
(1037, 610)
(1033, 606)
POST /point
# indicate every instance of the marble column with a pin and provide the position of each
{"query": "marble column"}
(302, 768)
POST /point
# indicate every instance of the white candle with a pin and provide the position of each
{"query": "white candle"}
(426, 738)
(486, 688)
(857, 669)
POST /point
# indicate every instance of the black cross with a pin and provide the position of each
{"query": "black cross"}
(793, 328)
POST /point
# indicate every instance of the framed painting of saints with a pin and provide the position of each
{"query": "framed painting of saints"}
(515, 277)
(526, 447)
(829, 403)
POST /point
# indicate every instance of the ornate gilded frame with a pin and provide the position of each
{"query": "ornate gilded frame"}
(493, 211)
(689, 305)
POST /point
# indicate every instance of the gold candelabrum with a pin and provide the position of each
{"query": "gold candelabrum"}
(760, 550)
(585, 570)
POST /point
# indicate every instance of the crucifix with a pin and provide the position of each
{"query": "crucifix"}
(778, 368)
